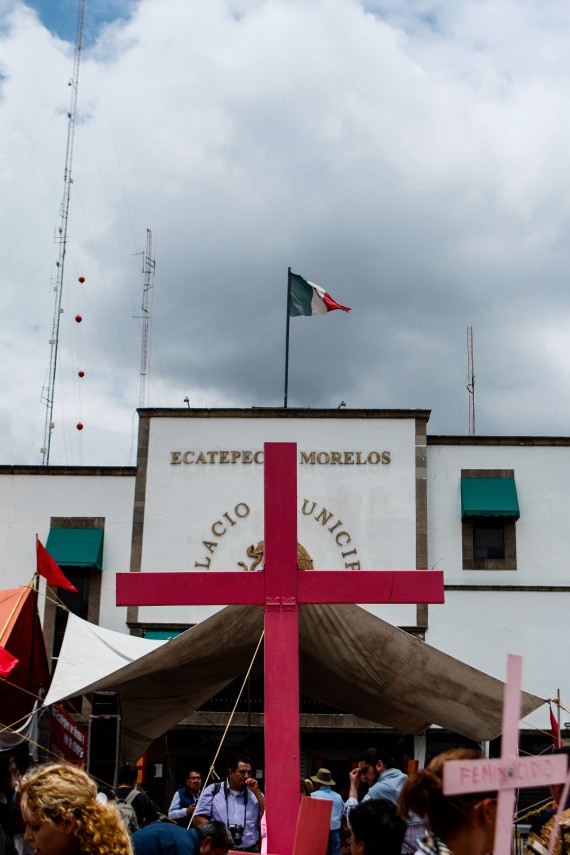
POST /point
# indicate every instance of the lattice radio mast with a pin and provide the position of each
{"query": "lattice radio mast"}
(48, 391)
(471, 381)
(148, 270)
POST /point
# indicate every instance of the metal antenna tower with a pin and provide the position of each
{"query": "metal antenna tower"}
(471, 381)
(149, 265)
(48, 391)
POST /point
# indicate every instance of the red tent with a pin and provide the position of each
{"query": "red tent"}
(21, 635)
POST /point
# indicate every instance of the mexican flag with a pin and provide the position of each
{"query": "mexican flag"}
(306, 298)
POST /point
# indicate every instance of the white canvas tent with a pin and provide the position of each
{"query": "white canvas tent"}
(383, 674)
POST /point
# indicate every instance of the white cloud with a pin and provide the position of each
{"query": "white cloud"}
(412, 160)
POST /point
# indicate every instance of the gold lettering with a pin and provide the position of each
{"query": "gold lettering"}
(305, 503)
(348, 458)
(346, 535)
(351, 552)
(245, 510)
(336, 525)
(218, 533)
(206, 565)
(355, 566)
(323, 519)
(209, 545)
(229, 519)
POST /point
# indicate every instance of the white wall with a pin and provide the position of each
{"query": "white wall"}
(28, 501)
(542, 478)
(481, 627)
(376, 502)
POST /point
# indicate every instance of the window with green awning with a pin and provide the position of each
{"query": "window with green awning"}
(489, 497)
(76, 547)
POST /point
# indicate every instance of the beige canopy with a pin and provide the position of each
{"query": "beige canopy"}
(387, 676)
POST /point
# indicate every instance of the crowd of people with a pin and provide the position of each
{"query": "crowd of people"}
(63, 812)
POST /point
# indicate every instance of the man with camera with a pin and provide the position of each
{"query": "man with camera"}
(238, 802)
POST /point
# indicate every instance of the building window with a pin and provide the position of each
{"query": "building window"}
(488, 538)
(489, 511)
(77, 603)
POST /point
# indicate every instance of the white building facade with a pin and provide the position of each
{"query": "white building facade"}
(375, 491)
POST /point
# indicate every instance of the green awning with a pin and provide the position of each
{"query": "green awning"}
(162, 634)
(489, 497)
(76, 547)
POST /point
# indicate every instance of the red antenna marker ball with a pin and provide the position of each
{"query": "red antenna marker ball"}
(78, 318)
(81, 373)
(79, 425)
(82, 279)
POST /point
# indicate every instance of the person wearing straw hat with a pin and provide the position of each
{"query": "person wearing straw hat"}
(324, 783)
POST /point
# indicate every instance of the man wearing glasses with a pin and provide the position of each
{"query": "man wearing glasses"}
(378, 771)
(185, 800)
(238, 802)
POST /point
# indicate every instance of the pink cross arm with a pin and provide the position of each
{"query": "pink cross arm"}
(314, 586)
(479, 776)
(371, 586)
(199, 588)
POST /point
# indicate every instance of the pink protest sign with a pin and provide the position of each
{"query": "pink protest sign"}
(312, 830)
(509, 772)
(313, 825)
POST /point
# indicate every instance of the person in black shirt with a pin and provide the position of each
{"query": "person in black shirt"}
(143, 807)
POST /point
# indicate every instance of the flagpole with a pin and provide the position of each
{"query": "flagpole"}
(287, 339)
(33, 634)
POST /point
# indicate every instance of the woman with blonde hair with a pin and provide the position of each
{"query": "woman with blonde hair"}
(458, 825)
(63, 817)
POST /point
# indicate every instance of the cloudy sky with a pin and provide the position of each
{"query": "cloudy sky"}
(410, 157)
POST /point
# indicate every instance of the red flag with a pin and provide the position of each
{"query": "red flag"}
(555, 730)
(7, 662)
(50, 570)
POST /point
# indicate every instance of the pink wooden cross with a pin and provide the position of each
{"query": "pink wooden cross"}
(509, 772)
(280, 588)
